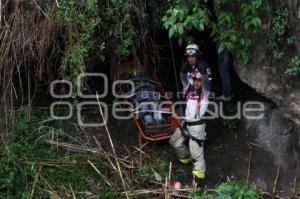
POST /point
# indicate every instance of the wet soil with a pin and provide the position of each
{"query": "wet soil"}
(229, 153)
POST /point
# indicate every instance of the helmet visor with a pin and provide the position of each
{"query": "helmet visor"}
(191, 51)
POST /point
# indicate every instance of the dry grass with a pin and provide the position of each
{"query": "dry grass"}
(29, 46)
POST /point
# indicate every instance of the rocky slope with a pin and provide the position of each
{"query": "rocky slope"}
(278, 132)
(266, 75)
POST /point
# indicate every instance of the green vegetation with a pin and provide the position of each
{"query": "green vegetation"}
(56, 159)
(235, 37)
(31, 168)
(293, 68)
(79, 21)
(184, 16)
(232, 190)
(149, 170)
(279, 29)
(51, 159)
(279, 38)
(227, 31)
(89, 25)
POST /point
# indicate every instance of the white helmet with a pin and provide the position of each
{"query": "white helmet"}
(192, 50)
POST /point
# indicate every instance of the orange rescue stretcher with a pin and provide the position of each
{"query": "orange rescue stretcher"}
(156, 132)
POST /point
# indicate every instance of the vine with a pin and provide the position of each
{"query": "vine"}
(90, 26)
(79, 20)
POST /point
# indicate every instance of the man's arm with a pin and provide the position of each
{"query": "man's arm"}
(204, 103)
(185, 80)
(205, 92)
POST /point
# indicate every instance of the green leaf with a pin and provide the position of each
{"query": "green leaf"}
(180, 28)
(201, 26)
(175, 12)
(221, 48)
(172, 32)
(156, 175)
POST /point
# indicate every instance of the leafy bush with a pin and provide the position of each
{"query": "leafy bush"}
(293, 69)
(87, 27)
(232, 190)
(236, 190)
(18, 166)
(79, 20)
(229, 36)
(154, 169)
(184, 16)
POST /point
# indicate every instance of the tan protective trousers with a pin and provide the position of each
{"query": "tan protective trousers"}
(193, 150)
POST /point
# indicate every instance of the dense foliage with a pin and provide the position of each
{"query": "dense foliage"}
(90, 26)
(228, 31)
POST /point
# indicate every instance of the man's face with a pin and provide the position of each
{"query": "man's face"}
(197, 83)
(192, 59)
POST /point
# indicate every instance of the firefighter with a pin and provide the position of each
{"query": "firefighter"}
(194, 63)
(192, 131)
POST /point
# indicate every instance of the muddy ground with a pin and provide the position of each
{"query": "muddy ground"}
(230, 153)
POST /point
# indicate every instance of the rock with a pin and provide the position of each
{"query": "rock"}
(261, 184)
(281, 138)
(264, 74)
(267, 76)
(279, 131)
